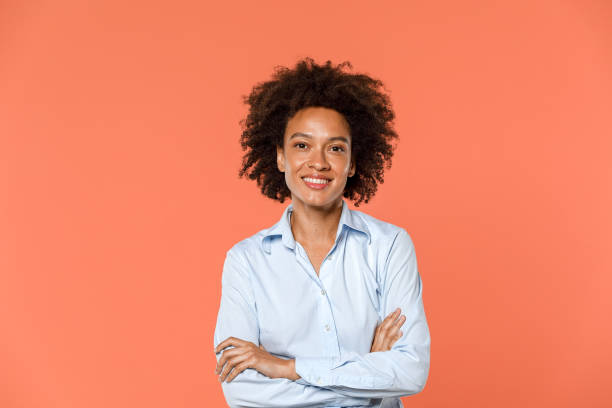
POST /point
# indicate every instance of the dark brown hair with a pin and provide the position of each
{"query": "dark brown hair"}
(358, 97)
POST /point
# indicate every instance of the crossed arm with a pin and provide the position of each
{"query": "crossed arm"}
(246, 354)
(237, 323)
(350, 379)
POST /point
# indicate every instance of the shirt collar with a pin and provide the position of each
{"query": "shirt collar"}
(283, 227)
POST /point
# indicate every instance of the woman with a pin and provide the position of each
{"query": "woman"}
(325, 307)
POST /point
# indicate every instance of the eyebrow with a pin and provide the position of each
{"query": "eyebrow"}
(298, 134)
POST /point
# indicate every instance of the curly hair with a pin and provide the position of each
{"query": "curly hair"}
(357, 97)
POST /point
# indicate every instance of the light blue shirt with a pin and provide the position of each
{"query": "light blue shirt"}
(271, 295)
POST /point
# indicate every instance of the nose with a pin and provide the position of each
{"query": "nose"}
(318, 160)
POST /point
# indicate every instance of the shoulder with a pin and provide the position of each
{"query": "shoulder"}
(236, 267)
(383, 233)
(245, 258)
(249, 247)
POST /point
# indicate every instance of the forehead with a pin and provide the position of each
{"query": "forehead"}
(318, 122)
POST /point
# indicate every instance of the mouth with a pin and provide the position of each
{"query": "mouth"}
(316, 183)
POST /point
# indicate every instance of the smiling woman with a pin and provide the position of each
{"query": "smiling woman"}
(311, 308)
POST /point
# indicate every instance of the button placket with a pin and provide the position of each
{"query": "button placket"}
(330, 339)
(303, 260)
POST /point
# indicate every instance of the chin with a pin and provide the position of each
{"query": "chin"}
(319, 199)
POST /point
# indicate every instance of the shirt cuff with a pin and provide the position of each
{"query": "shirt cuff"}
(314, 370)
(329, 372)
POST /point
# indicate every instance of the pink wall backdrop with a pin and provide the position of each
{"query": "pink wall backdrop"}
(119, 195)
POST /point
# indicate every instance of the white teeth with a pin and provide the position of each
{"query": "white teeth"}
(316, 181)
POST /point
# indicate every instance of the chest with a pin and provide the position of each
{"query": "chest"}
(301, 314)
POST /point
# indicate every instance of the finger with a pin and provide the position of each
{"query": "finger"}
(391, 337)
(227, 354)
(395, 339)
(388, 323)
(399, 322)
(391, 341)
(230, 341)
(392, 333)
(238, 369)
(223, 344)
(231, 363)
(392, 316)
(396, 336)
(388, 318)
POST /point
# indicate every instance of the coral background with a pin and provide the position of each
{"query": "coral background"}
(119, 195)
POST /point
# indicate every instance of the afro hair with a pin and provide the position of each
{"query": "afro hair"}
(358, 97)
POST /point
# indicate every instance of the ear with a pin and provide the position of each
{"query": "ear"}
(280, 159)
(352, 169)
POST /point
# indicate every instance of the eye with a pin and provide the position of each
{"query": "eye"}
(338, 147)
(299, 145)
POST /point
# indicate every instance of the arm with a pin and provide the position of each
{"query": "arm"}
(237, 317)
(401, 371)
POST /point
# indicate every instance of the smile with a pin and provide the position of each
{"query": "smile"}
(316, 180)
(316, 183)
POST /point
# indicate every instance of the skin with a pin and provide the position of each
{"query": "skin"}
(310, 146)
(316, 140)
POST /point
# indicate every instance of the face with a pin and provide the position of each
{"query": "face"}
(316, 156)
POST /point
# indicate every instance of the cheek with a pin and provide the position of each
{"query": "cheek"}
(293, 164)
(288, 177)
(290, 171)
(342, 163)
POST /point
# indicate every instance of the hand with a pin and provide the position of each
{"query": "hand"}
(247, 355)
(388, 332)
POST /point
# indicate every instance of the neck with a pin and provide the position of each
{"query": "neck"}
(315, 225)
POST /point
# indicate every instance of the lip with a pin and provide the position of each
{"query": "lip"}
(317, 176)
(315, 186)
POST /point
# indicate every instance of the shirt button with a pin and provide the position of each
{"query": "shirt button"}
(330, 257)
(327, 327)
(323, 292)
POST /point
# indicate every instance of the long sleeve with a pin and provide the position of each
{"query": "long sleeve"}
(237, 317)
(404, 369)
